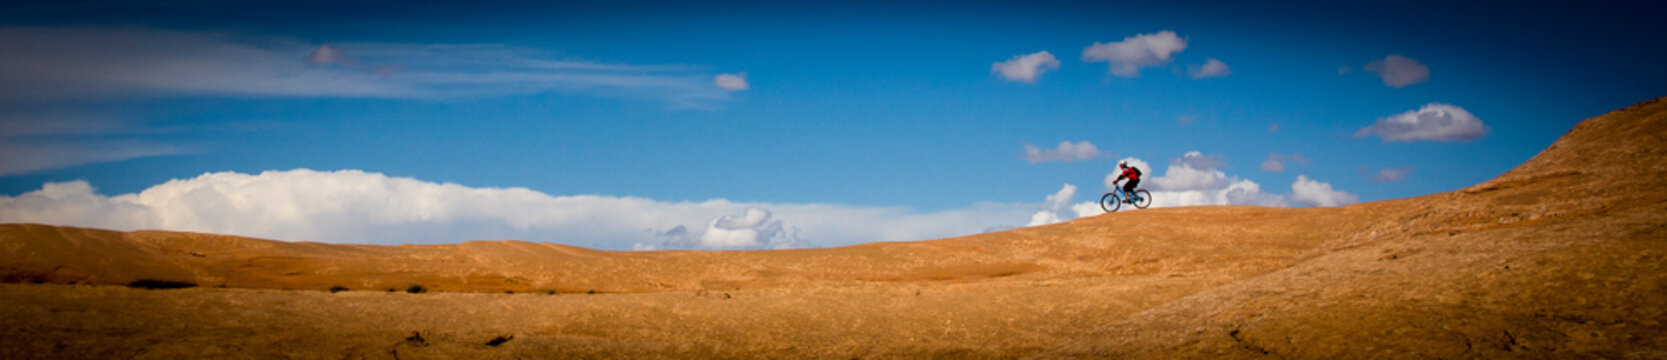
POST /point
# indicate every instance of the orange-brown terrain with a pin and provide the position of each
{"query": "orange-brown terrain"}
(1562, 257)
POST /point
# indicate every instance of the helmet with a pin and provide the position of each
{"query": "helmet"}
(1122, 164)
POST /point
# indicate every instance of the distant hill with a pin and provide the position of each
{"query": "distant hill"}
(1562, 257)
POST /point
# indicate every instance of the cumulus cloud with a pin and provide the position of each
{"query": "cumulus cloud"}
(1183, 178)
(1316, 193)
(1198, 160)
(1127, 57)
(1053, 209)
(1391, 174)
(752, 229)
(1145, 170)
(1210, 68)
(1066, 151)
(1026, 68)
(1398, 71)
(1276, 162)
(1246, 192)
(1087, 208)
(359, 207)
(731, 82)
(1192, 171)
(1432, 122)
(55, 63)
(1196, 179)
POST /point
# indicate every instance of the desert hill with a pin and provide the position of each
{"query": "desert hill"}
(1561, 257)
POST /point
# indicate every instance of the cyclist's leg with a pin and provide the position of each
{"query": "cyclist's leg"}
(1128, 188)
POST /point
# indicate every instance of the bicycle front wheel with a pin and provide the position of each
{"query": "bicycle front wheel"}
(1110, 202)
(1143, 198)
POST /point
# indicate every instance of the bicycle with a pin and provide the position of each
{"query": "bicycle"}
(1115, 199)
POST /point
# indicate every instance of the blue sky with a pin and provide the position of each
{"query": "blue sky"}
(857, 106)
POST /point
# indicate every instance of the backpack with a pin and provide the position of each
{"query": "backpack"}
(1137, 173)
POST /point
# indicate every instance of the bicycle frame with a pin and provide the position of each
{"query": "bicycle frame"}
(1123, 195)
(1118, 197)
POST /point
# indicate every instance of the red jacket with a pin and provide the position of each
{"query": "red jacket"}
(1131, 173)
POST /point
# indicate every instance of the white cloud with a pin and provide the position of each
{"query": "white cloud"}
(80, 62)
(1127, 57)
(27, 156)
(1276, 162)
(1194, 179)
(358, 207)
(33, 143)
(1192, 171)
(753, 229)
(1066, 151)
(1044, 218)
(1246, 192)
(1053, 209)
(1316, 193)
(1398, 71)
(731, 82)
(1273, 164)
(1182, 178)
(1026, 68)
(1432, 122)
(1210, 68)
(1087, 208)
(21, 126)
(1391, 174)
(1145, 170)
(1060, 199)
(325, 54)
(1198, 160)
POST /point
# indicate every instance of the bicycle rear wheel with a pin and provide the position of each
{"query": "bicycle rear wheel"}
(1144, 198)
(1110, 202)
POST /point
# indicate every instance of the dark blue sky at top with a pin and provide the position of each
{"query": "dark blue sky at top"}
(880, 103)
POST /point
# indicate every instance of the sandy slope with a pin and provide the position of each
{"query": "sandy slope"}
(1561, 257)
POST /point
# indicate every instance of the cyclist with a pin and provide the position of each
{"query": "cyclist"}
(1131, 173)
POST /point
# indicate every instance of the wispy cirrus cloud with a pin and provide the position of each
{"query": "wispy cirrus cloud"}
(58, 63)
(33, 143)
(22, 157)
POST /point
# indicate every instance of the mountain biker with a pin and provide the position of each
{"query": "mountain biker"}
(1131, 173)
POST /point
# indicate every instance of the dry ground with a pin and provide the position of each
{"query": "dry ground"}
(1562, 257)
